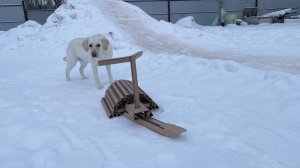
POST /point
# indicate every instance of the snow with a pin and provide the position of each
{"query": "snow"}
(295, 16)
(188, 22)
(278, 13)
(235, 115)
(242, 44)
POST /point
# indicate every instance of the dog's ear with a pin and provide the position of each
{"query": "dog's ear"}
(105, 43)
(85, 44)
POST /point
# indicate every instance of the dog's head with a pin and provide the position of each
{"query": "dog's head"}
(95, 45)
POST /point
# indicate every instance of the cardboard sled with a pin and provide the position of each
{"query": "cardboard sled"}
(124, 97)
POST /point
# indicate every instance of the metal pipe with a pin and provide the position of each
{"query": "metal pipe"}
(169, 11)
(24, 10)
(220, 3)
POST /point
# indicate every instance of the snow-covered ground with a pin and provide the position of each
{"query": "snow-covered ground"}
(277, 49)
(235, 115)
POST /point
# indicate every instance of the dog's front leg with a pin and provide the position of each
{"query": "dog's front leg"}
(94, 66)
(108, 69)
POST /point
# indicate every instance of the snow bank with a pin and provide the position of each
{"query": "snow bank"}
(235, 116)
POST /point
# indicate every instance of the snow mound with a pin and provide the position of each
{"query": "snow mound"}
(30, 23)
(188, 22)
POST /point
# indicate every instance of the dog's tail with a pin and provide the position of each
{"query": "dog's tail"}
(65, 58)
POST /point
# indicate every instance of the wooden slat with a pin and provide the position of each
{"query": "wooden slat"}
(112, 96)
(165, 129)
(104, 104)
(130, 85)
(109, 106)
(122, 89)
(125, 85)
(120, 59)
(109, 99)
(116, 92)
(114, 61)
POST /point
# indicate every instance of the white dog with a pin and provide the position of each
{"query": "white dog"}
(89, 50)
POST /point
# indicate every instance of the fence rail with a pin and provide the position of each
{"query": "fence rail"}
(43, 4)
(13, 14)
(168, 9)
(172, 10)
(7, 5)
(7, 22)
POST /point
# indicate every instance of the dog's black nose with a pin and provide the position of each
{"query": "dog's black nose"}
(94, 54)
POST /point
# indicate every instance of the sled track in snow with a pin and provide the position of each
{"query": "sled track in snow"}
(134, 22)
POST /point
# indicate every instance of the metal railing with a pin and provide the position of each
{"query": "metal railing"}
(39, 5)
(29, 7)
(12, 5)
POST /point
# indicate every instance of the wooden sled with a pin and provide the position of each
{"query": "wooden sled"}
(124, 97)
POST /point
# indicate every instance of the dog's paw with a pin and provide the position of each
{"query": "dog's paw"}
(68, 79)
(99, 86)
(84, 77)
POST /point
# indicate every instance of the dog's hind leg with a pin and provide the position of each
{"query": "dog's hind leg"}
(71, 63)
(81, 69)
(108, 69)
